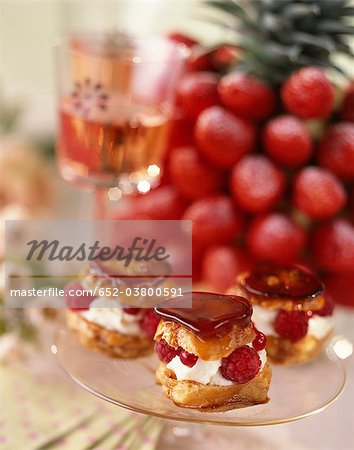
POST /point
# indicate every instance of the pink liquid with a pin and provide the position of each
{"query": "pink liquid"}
(104, 141)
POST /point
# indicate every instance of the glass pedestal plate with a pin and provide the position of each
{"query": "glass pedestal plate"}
(296, 392)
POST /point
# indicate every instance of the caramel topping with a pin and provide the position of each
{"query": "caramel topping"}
(211, 315)
(290, 283)
(177, 336)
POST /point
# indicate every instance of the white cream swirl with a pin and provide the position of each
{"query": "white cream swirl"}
(264, 319)
(205, 372)
(109, 314)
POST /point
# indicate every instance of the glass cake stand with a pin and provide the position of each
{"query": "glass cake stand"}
(296, 392)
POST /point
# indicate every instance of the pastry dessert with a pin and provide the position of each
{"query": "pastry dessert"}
(212, 358)
(291, 308)
(108, 323)
(107, 327)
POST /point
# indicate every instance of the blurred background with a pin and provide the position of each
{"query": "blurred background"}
(31, 188)
(29, 28)
(28, 32)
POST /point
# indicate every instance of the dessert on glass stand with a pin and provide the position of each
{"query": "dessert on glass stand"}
(211, 356)
(291, 307)
(106, 321)
(107, 327)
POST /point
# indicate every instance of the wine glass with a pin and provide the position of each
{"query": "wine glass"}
(116, 96)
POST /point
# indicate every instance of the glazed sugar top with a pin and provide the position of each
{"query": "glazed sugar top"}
(135, 273)
(288, 282)
(211, 315)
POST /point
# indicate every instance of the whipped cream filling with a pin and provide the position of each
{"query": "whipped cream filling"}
(108, 314)
(320, 326)
(205, 372)
(264, 319)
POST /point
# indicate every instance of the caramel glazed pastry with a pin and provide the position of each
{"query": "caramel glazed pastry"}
(212, 357)
(102, 323)
(291, 308)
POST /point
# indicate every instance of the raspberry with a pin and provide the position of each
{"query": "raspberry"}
(347, 112)
(192, 177)
(162, 203)
(242, 365)
(291, 325)
(77, 302)
(132, 311)
(287, 141)
(332, 245)
(197, 91)
(215, 220)
(222, 264)
(308, 93)
(318, 193)
(328, 307)
(336, 150)
(260, 341)
(164, 352)
(222, 137)
(257, 184)
(247, 96)
(276, 237)
(149, 322)
(188, 359)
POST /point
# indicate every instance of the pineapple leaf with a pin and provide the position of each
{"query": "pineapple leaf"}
(332, 5)
(347, 11)
(295, 12)
(230, 6)
(217, 21)
(226, 6)
(324, 42)
(332, 26)
(280, 36)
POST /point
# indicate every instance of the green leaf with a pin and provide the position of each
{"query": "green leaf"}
(218, 21)
(297, 11)
(347, 11)
(280, 36)
(234, 8)
(225, 6)
(324, 42)
(333, 26)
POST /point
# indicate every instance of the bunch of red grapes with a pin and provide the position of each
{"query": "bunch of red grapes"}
(265, 174)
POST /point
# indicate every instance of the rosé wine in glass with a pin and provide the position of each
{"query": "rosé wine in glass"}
(115, 105)
(102, 148)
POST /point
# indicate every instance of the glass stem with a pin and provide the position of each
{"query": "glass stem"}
(179, 435)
